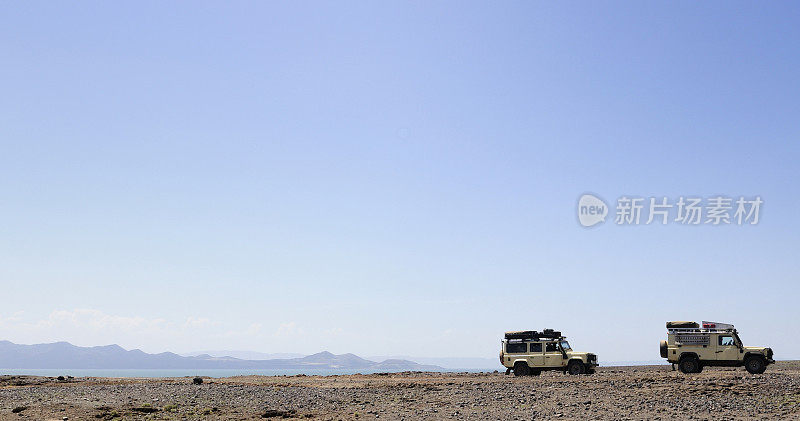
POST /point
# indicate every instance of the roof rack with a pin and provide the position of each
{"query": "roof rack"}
(706, 327)
(532, 335)
(700, 330)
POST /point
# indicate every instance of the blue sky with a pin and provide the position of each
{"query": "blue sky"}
(392, 177)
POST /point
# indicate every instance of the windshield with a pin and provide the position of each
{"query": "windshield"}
(565, 346)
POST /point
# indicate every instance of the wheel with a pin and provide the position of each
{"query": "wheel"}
(536, 372)
(662, 347)
(576, 367)
(755, 365)
(521, 369)
(689, 365)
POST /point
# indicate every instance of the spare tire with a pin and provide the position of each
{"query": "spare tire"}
(663, 346)
(682, 325)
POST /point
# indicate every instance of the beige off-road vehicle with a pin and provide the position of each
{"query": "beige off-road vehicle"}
(531, 352)
(693, 347)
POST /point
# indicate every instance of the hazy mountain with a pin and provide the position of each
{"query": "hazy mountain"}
(65, 355)
(244, 355)
(454, 363)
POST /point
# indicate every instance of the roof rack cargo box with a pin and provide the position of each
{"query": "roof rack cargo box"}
(717, 325)
(682, 325)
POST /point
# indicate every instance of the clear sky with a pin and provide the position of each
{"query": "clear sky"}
(393, 177)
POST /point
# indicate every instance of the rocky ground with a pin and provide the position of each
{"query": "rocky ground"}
(612, 393)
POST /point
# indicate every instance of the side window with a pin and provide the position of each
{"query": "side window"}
(551, 347)
(516, 347)
(726, 340)
(536, 347)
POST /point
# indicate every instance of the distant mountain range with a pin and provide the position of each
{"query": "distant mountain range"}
(63, 355)
(249, 355)
(453, 363)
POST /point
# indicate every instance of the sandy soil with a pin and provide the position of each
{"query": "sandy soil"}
(611, 393)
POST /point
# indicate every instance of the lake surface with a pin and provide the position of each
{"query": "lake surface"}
(222, 372)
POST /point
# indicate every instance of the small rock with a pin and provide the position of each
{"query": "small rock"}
(19, 409)
(197, 380)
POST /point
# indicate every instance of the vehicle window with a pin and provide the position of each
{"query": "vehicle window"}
(516, 348)
(536, 347)
(565, 346)
(726, 341)
(551, 347)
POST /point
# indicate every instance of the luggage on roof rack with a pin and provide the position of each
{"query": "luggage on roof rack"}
(550, 333)
(682, 325)
(533, 335)
(523, 334)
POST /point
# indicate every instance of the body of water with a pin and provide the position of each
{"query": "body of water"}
(223, 372)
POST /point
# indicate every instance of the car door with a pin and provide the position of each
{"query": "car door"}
(552, 355)
(727, 349)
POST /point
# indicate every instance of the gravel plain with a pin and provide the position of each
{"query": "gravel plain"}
(644, 392)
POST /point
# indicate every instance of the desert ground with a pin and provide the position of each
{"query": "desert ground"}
(644, 392)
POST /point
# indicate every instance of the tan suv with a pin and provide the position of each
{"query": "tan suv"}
(531, 352)
(693, 347)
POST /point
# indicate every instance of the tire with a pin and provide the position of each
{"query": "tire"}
(755, 365)
(576, 367)
(521, 369)
(663, 349)
(689, 365)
